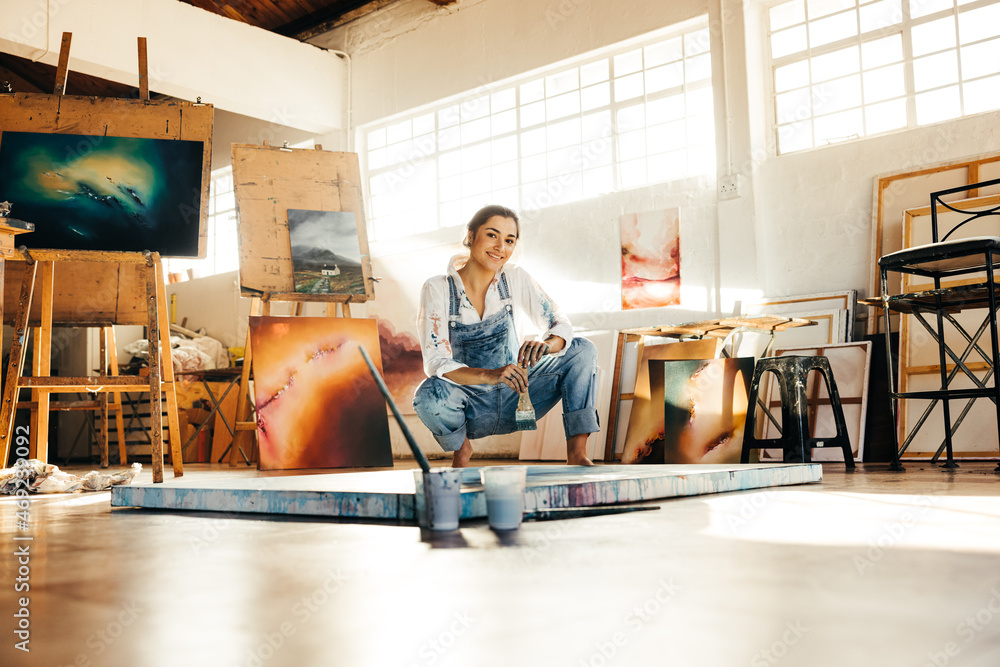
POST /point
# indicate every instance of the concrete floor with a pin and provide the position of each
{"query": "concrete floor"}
(869, 568)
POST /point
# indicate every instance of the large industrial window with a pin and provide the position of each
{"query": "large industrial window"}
(624, 118)
(844, 69)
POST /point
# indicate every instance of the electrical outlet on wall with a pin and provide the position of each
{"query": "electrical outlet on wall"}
(729, 186)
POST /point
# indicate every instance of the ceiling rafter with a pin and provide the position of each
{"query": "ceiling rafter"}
(299, 19)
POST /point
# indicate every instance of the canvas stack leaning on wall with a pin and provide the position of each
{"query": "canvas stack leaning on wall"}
(895, 192)
(833, 313)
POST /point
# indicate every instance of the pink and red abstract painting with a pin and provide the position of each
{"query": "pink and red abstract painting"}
(317, 404)
(651, 264)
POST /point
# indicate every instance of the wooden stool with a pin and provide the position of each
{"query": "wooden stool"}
(791, 373)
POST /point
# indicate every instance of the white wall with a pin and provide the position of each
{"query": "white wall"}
(816, 206)
(232, 128)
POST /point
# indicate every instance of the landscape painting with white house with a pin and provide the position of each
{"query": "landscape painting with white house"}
(326, 253)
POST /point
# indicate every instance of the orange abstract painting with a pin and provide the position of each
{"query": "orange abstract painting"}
(651, 265)
(317, 404)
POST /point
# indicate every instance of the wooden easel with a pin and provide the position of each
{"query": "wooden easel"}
(313, 180)
(159, 380)
(73, 283)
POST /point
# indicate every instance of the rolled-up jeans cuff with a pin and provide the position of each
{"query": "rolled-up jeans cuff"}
(452, 442)
(581, 421)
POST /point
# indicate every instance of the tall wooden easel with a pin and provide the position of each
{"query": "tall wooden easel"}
(268, 181)
(157, 382)
(93, 288)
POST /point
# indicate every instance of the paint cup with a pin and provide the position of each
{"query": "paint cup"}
(442, 498)
(504, 495)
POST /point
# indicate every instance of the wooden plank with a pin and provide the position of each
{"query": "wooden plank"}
(70, 384)
(616, 379)
(243, 397)
(62, 71)
(98, 117)
(143, 70)
(169, 388)
(15, 364)
(268, 181)
(105, 416)
(46, 270)
(36, 355)
(63, 406)
(155, 397)
(88, 293)
(936, 369)
(117, 406)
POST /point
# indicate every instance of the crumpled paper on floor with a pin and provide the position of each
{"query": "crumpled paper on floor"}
(38, 477)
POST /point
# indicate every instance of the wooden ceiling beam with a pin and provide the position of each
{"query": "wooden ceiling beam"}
(346, 17)
(18, 83)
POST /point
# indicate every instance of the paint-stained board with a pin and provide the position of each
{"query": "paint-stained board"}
(113, 117)
(84, 293)
(268, 181)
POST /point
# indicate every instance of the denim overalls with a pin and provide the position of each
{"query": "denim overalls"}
(453, 412)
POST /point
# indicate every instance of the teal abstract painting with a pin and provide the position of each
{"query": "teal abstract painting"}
(104, 193)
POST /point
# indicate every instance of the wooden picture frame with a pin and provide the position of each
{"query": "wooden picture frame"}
(268, 181)
(831, 329)
(895, 192)
(795, 304)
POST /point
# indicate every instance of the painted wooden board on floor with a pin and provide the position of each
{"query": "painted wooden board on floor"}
(390, 494)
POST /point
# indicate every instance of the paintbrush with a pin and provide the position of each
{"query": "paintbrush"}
(578, 512)
(524, 417)
(417, 452)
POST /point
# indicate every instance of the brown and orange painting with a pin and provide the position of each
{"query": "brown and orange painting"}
(317, 405)
(651, 265)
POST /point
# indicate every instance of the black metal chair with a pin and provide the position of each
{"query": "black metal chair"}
(941, 260)
(795, 442)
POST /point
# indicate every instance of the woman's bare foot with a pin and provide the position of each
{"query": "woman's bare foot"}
(461, 457)
(576, 451)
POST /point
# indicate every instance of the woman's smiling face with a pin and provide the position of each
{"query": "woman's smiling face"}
(494, 243)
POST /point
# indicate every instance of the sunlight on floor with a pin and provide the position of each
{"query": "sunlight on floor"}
(853, 519)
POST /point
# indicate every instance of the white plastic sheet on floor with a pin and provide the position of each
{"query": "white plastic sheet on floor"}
(38, 477)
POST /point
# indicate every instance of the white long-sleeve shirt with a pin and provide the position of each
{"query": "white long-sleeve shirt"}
(530, 303)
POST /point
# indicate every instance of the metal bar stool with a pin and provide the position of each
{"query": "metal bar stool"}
(943, 259)
(795, 442)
